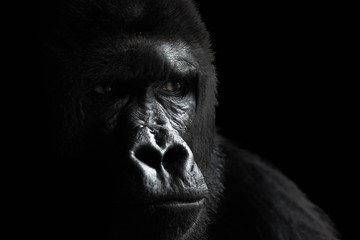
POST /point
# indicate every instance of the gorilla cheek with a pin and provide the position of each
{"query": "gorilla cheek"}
(181, 114)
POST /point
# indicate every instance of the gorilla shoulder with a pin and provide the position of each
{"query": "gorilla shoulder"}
(259, 196)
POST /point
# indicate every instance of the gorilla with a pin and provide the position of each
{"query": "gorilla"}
(130, 122)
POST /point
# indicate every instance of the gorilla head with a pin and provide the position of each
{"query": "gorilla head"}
(132, 113)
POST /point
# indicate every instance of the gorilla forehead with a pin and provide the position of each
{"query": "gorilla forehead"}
(163, 56)
(140, 58)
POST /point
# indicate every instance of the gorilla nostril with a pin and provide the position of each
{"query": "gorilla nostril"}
(148, 155)
(175, 157)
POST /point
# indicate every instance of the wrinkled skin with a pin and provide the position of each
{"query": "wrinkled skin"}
(131, 97)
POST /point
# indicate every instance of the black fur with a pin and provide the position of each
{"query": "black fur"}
(85, 41)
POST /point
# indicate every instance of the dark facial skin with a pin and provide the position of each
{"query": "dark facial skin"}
(135, 122)
(149, 112)
(157, 114)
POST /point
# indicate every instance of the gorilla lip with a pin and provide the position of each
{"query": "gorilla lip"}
(174, 200)
(177, 206)
(177, 203)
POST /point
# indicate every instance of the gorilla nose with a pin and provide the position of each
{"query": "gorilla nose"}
(173, 157)
(166, 166)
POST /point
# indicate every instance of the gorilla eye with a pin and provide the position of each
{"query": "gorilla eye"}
(102, 89)
(172, 86)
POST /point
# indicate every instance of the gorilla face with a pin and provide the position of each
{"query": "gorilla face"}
(132, 93)
(137, 119)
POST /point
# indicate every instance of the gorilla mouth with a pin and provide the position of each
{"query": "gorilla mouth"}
(177, 205)
(176, 201)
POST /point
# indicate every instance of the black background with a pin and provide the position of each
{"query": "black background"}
(286, 93)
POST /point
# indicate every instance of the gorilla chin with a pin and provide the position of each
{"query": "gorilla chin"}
(163, 220)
